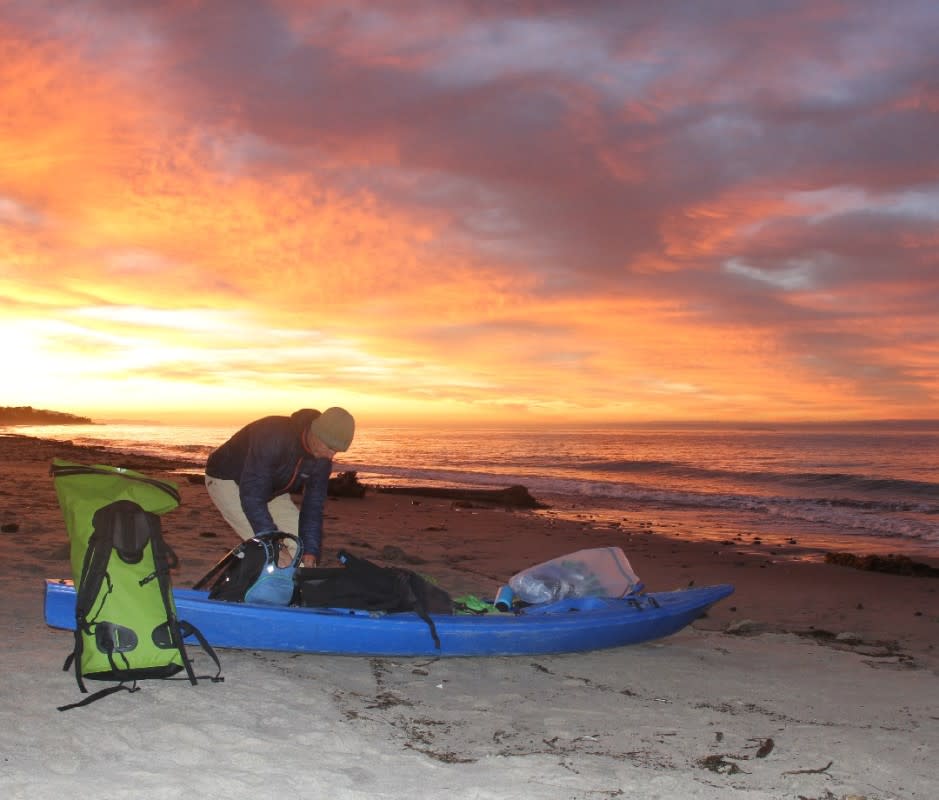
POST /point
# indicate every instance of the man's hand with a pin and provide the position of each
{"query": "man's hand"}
(309, 560)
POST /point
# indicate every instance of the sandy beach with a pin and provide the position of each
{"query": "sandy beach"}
(811, 681)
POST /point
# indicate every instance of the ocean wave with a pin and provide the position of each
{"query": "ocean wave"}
(872, 518)
(880, 518)
(822, 481)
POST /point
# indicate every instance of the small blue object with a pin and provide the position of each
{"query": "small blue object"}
(504, 598)
(274, 587)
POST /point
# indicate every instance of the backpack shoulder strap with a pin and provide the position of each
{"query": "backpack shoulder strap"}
(98, 695)
(93, 576)
(188, 629)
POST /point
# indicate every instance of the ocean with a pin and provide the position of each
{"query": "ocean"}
(858, 487)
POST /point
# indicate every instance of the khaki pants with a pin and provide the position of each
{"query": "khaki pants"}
(227, 499)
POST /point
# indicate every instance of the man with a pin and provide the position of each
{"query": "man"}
(250, 478)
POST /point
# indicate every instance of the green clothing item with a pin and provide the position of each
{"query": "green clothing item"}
(471, 604)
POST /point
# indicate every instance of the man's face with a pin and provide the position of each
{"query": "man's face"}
(319, 448)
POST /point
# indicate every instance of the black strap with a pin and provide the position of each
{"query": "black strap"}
(176, 634)
(188, 629)
(93, 576)
(99, 694)
(185, 629)
(317, 573)
(422, 611)
(220, 565)
(163, 551)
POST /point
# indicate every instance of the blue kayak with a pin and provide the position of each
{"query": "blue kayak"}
(565, 626)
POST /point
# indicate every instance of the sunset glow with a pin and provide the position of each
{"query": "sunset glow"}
(443, 211)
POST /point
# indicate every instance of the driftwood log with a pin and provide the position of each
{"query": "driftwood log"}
(511, 497)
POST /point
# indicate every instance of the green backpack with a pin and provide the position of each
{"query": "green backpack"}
(125, 616)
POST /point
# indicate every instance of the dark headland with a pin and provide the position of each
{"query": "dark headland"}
(27, 415)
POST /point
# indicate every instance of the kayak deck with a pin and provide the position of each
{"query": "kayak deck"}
(562, 627)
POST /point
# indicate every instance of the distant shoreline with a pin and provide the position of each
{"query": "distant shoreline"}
(27, 415)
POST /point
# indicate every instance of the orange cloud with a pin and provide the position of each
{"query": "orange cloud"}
(449, 212)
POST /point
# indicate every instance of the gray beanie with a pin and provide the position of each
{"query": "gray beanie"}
(335, 427)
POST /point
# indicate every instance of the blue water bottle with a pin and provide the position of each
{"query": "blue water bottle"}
(504, 598)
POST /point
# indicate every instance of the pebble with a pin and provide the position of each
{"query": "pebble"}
(744, 626)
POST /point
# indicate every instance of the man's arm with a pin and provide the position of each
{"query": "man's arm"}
(311, 510)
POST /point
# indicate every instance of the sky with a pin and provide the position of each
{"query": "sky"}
(434, 210)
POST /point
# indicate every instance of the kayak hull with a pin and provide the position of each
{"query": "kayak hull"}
(599, 624)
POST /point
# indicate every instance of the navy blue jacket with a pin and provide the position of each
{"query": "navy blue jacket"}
(267, 458)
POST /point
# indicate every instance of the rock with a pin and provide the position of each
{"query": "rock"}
(391, 553)
(346, 484)
(893, 564)
(719, 764)
(848, 638)
(744, 627)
